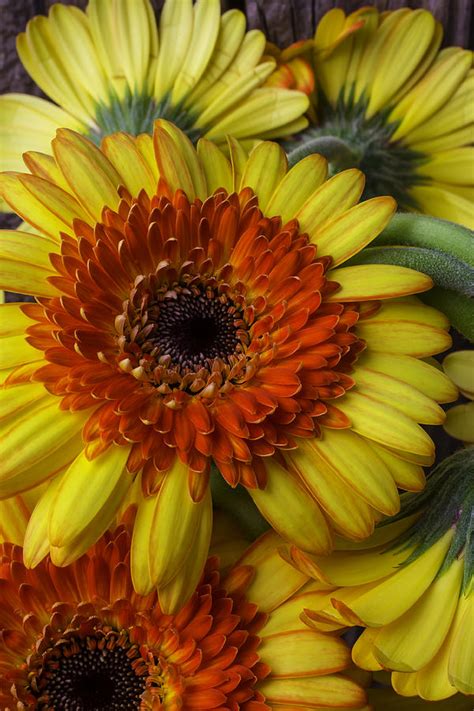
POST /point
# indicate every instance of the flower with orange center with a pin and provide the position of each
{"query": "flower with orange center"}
(190, 310)
(79, 637)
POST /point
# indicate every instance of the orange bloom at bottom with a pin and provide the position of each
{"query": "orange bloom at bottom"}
(80, 638)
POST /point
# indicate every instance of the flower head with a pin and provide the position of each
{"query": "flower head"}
(80, 637)
(112, 68)
(411, 586)
(402, 107)
(192, 310)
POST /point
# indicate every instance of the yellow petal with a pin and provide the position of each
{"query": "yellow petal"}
(286, 616)
(384, 424)
(173, 596)
(460, 368)
(328, 691)
(297, 186)
(363, 650)
(434, 383)
(411, 641)
(182, 150)
(263, 107)
(303, 653)
(339, 193)
(28, 123)
(452, 166)
(231, 97)
(354, 229)
(377, 281)
(123, 153)
(206, 23)
(175, 36)
(460, 422)
(265, 169)
(229, 40)
(25, 263)
(410, 40)
(378, 604)
(300, 519)
(90, 175)
(175, 523)
(238, 159)
(432, 92)
(356, 463)
(14, 400)
(215, 165)
(269, 566)
(401, 396)
(347, 568)
(28, 460)
(36, 544)
(349, 514)
(440, 202)
(40, 55)
(140, 546)
(72, 36)
(99, 484)
(406, 475)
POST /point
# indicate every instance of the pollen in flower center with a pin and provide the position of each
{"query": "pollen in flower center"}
(90, 674)
(194, 328)
(182, 333)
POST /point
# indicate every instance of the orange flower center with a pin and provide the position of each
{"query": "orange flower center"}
(99, 669)
(80, 638)
(205, 331)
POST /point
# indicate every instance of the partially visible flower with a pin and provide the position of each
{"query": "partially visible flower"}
(411, 586)
(460, 418)
(403, 108)
(191, 311)
(386, 699)
(111, 68)
(79, 637)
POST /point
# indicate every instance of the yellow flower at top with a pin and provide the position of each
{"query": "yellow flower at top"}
(411, 586)
(111, 68)
(403, 107)
(191, 311)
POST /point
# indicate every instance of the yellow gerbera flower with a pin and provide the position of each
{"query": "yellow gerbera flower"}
(403, 109)
(193, 310)
(111, 68)
(460, 418)
(80, 638)
(411, 586)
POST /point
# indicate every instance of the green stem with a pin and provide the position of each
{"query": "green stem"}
(334, 149)
(238, 504)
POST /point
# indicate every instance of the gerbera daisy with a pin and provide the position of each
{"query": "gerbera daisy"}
(460, 419)
(401, 109)
(411, 586)
(79, 637)
(111, 68)
(192, 309)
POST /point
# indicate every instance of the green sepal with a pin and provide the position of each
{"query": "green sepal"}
(446, 502)
(457, 307)
(238, 504)
(430, 232)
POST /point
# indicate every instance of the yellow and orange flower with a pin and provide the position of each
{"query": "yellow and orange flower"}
(80, 637)
(411, 586)
(113, 68)
(402, 108)
(193, 310)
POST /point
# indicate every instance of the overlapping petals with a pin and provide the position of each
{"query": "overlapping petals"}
(235, 644)
(410, 585)
(193, 309)
(404, 107)
(197, 68)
